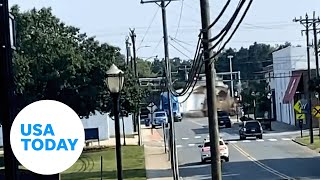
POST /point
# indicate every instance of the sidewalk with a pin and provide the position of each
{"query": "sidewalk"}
(157, 165)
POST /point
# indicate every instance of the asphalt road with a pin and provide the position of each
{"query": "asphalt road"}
(272, 158)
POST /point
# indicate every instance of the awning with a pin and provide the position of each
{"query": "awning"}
(292, 87)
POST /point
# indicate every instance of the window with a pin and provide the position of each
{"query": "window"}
(252, 125)
(160, 114)
(222, 113)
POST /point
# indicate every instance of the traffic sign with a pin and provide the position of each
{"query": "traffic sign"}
(300, 116)
(316, 111)
(297, 107)
(152, 107)
(304, 104)
(301, 105)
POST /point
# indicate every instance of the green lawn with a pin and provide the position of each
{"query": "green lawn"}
(88, 165)
(306, 141)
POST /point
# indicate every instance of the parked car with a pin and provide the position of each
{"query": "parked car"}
(224, 119)
(250, 128)
(205, 150)
(159, 118)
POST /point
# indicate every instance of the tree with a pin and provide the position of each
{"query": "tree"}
(144, 68)
(56, 61)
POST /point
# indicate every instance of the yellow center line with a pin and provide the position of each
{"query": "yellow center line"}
(265, 167)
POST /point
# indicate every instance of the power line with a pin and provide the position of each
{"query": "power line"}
(181, 10)
(244, 14)
(155, 49)
(154, 16)
(180, 45)
(179, 51)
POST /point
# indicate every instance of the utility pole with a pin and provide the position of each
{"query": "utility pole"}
(231, 75)
(133, 40)
(186, 72)
(307, 23)
(136, 115)
(315, 21)
(132, 68)
(211, 93)
(7, 97)
(128, 48)
(173, 150)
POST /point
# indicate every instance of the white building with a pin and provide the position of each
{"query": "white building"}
(289, 65)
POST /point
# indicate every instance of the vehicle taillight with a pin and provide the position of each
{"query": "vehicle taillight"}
(205, 149)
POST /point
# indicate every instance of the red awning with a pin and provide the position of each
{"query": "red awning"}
(292, 87)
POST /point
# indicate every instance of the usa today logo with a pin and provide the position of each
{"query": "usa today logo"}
(47, 137)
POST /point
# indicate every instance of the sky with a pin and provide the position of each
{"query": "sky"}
(268, 21)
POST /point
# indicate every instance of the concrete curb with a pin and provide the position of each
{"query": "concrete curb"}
(298, 142)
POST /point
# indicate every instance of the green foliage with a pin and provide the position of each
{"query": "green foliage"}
(56, 61)
(262, 103)
(144, 68)
(247, 60)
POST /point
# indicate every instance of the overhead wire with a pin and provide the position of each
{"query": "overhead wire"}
(196, 64)
(156, 47)
(240, 21)
(194, 85)
(180, 44)
(220, 15)
(228, 26)
(194, 70)
(151, 22)
(179, 51)
(198, 61)
(181, 10)
(177, 40)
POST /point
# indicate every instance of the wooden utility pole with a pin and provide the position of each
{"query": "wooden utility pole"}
(211, 92)
(308, 23)
(315, 22)
(137, 114)
(173, 149)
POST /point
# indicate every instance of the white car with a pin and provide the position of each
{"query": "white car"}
(159, 118)
(205, 150)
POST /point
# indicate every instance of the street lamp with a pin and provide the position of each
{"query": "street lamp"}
(254, 104)
(142, 47)
(114, 81)
(269, 95)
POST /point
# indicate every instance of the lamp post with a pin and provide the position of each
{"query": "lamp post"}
(114, 81)
(269, 95)
(254, 104)
(269, 109)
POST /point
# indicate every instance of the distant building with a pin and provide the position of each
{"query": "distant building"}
(290, 82)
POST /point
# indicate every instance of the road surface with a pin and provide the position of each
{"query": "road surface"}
(275, 156)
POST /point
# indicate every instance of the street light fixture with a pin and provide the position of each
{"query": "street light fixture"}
(114, 81)
(143, 47)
